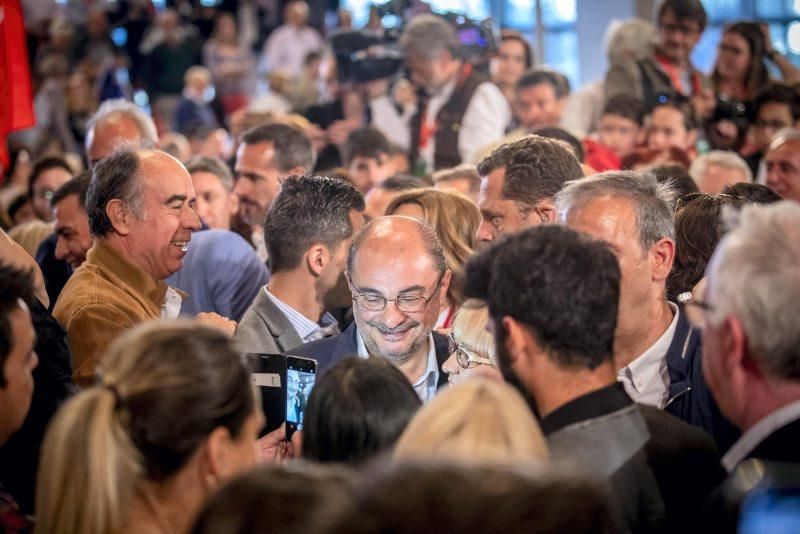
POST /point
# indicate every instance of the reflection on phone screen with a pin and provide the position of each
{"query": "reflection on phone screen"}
(298, 388)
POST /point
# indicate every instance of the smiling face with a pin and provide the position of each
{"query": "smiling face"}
(678, 36)
(783, 169)
(157, 242)
(72, 229)
(667, 130)
(391, 264)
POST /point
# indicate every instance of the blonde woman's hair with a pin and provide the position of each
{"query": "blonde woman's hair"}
(455, 218)
(478, 421)
(469, 328)
(166, 386)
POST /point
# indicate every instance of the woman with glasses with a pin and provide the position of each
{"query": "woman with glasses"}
(471, 345)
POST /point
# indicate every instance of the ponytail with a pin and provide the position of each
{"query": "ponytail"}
(89, 466)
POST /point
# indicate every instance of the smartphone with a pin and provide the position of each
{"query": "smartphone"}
(301, 374)
(269, 376)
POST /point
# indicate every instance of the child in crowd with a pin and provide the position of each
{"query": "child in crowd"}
(619, 132)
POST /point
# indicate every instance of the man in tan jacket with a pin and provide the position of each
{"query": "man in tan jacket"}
(140, 208)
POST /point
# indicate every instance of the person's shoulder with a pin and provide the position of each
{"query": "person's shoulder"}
(669, 433)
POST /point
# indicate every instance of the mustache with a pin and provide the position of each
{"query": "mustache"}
(399, 329)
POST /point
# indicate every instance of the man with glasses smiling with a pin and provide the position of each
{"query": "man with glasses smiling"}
(669, 73)
(398, 277)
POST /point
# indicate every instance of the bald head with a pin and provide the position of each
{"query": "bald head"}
(400, 238)
(118, 123)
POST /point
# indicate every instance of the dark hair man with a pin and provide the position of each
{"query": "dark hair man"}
(308, 231)
(776, 107)
(17, 362)
(398, 279)
(669, 73)
(72, 222)
(541, 97)
(368, 162)
(656, 351)
(518, 183)
(141, 216)
(554, 324)
(458, 110)
(267, 154)
(47, 175)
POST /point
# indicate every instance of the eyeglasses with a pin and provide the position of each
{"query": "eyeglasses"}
(696, 309)
(405, 303)
(465, 357)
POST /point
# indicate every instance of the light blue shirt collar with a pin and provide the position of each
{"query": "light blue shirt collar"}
(425, 386)
(305, 327)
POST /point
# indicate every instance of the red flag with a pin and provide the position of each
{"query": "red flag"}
(16, 95)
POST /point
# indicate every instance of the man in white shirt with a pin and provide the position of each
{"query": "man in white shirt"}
(458, 111)
(655, 349)
(751, 330)
(308, 232)
(286, 48)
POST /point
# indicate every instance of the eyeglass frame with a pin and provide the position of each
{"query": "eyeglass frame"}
(688, 299)
(472, 358)
(427, 300)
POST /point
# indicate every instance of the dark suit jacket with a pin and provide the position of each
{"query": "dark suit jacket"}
(659, 468)
(265, 329)
(330, 350)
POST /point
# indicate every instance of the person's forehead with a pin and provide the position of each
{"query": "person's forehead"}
(605, 217)
(164, 175)
(68, 207)
(668, 16)
(512, 46)
(256, 156)
(391, 262)
(666, 114)
(541, 90)
(206, 180)
(775, 109)
(786, 151)
(52, 175)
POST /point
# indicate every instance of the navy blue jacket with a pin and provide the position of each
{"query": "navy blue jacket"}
(330, 350)
(689, 396)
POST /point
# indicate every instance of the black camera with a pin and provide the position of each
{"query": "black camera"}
(362, 56)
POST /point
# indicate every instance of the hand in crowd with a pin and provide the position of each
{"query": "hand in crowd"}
(274, 448)
(215, 320)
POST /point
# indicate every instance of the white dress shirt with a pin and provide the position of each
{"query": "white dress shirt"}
(425, 386)
(286, 48)
(307, 329)
(646, 379)
(171, 307)
(484, 121)
(758, 433)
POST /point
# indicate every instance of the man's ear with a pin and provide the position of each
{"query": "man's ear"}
(120, 216)
(547, 210)
(444, 286)
(517, 340)
(661, 256)
(233, 203)
(317, 258)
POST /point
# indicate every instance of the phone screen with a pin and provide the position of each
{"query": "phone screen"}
(300, 378)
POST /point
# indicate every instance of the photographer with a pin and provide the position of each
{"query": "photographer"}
(458, 110)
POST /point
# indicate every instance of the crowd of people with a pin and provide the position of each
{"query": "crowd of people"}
(531, 309)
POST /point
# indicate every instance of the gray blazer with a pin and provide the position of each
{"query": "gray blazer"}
(265, 329)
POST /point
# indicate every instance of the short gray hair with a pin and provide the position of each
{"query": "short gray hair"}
(630, 39)
(652, 201)
(428, 35)
(214, 166)
(783, 136)
(753, 276)
(720, 158)
(114, 177)
(120, 107)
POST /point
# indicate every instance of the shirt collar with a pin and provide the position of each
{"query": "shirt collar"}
(304, 326)
(758, 433)
(646, 368)
(430, 376)
(590, 406)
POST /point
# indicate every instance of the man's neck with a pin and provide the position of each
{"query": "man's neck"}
(766, 398)
(284, 285)
(654, 322)
(560, 386)
(119, 245)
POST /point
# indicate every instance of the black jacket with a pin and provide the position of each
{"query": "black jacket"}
(660, 469)
(330, 350)
(689, 396)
